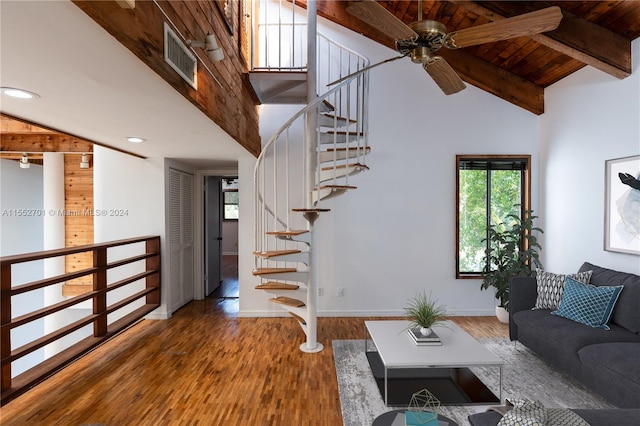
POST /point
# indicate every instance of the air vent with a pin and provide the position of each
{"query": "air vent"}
(179, 57)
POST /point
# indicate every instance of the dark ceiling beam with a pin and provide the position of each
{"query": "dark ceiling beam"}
(577, 38)
(474, 71)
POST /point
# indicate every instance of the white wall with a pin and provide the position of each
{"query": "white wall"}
(395, 234)
(21, 231)
(590, 117)
(230, 237)
(134, 188)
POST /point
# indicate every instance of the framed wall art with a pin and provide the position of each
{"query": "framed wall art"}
(622, 205)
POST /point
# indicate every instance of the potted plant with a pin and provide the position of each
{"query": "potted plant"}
(424, 312)
(513, 250)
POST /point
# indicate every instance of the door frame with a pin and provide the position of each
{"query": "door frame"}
(199, 240)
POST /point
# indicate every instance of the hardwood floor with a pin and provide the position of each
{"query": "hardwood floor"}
(204, 366)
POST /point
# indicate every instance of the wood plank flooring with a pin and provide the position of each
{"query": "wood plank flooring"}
(204, 366)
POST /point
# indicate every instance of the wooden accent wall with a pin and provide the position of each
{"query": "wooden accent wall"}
(78, 221)
(230, 102)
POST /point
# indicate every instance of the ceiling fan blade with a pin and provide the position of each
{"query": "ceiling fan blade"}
(377, 16)
(522, 25)
(444, 76)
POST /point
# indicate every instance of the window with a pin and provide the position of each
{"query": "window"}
(230, 198)
(488, 189)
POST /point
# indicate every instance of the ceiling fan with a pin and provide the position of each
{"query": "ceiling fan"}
(421, 39)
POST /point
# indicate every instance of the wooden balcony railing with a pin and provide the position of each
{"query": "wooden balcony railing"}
(102, 330)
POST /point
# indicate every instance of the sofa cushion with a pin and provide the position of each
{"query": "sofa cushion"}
(626, 313)
(550, 287)
(613, 371)
(619, 359)
(565, 336)
(587, 303)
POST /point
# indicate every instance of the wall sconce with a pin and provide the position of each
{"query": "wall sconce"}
(24, 161)
(84, 162)
(210, 45)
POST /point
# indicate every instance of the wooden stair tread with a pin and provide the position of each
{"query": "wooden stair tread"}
(290, 233)
(298, 318)
(343, 166)
(267, 271)
(275, 285)
(342, 132)
(330, 114)
(289, 301)
(274, 253)
(311, 210)
(366, 148)
(338, 187)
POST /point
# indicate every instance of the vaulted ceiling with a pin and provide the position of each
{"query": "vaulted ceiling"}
(591, 33)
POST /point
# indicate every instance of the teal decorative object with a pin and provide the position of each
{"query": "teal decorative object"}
(423, 409)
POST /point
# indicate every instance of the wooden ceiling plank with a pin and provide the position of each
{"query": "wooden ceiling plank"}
(575, 37)
(38, 142)
(474, 71)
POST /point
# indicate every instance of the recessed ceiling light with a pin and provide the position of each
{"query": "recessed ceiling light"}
(19, 93)
(135, 139)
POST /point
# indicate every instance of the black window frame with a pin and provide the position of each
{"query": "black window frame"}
(490, 162)
(224, 200)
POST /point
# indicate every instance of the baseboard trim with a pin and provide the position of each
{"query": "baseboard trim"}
(389, 313)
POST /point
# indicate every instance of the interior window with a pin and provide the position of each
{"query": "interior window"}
(230, 198)
(488, 189)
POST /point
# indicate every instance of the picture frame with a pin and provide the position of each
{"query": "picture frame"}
(622, 205)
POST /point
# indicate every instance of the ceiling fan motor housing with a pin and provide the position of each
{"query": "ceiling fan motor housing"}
(430, 39)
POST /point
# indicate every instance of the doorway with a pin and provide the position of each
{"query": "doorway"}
(221, 238)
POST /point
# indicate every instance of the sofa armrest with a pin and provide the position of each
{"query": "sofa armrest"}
(523, 292)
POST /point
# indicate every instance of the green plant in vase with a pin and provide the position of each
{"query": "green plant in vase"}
(513, 251)
(424, 312)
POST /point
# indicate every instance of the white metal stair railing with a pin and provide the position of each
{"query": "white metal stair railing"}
(298, 169)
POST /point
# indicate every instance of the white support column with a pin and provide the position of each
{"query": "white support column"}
(54, 237)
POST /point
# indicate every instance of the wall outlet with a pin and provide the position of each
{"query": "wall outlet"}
(340, 292)
(320, 291)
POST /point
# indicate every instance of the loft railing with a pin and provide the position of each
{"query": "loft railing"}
(114, 305)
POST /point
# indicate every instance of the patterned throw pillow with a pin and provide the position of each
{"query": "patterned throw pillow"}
(564, 417)
(524, 413)
(588, 304)
(550, 287)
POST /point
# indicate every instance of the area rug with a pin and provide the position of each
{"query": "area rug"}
(525, 376)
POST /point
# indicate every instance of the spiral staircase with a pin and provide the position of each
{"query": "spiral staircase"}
(310, 159)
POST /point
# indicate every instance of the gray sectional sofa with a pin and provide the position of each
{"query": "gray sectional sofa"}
(606, 361)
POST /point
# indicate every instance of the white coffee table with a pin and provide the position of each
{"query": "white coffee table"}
(445, 367)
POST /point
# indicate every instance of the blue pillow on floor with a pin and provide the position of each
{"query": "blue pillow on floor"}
(588, 304)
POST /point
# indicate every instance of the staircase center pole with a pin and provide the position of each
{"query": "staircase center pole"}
(311, 345)
(311, 164)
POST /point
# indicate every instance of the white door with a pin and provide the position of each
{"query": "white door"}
(181, 265)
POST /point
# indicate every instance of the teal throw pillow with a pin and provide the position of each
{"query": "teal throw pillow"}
(588, 304)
